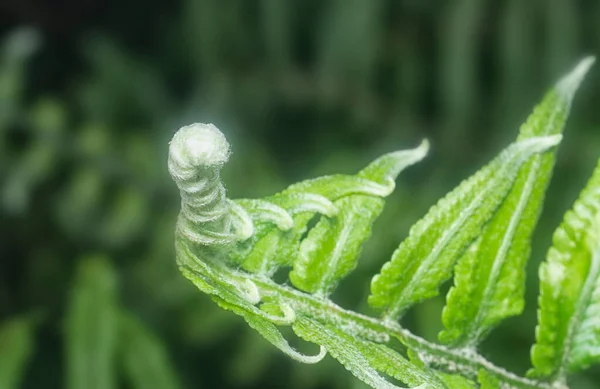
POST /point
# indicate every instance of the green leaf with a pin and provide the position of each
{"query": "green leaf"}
(258, 254)
(271, 333)
(275, 231)
(213, 279)
(437, 378)
(16, 346)
(348, 352)
(331, 249)
(487, 380)
(266, 211)
(489, 280)
(550, 115)
(568, 331)
(303, 207)
(425, 259)
(145, 359)
(390, 362)
(377, 179)
(92, 326)
(281, 220)
(386, 168)
(301, 202)
(456, 381)
(262, 258)
(336, 186)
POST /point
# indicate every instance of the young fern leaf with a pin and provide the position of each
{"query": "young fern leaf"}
(231, 249)
(360, 359)
(487, 381)
(425, 259)
(272, 334)
(456, 381)
(331, 249)
(489, 278)
(568, 331)
(390, 362)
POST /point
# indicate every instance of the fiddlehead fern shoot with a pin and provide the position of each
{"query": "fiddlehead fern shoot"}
(480, 233)
(196, 155)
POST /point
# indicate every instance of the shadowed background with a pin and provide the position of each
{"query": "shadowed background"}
(92, 91)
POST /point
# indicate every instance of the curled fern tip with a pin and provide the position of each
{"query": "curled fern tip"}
(198, 145)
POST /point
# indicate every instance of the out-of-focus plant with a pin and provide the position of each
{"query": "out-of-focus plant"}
(16, 344)
(101, 339)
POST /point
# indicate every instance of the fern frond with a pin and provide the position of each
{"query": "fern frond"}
(272, 334)
(231, 249)
(489, 280)
(453, 381)
(425, 259)
(488, 381)
(365, 360)
(568, 332)
(332, 247)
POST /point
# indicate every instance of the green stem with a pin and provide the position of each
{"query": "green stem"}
(466, 361)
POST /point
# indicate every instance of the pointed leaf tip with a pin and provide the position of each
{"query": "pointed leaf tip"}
(570, 83)
(390, 165)
(423, 148)
(546, 142)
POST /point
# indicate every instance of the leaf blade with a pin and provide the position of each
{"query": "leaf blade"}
(345, 350)
(268, 331)
(428, 254)
(570, 292)
(390, 362)
(489, 281)
(332, 247)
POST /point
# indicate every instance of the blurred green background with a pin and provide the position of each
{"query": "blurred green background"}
(92, 91)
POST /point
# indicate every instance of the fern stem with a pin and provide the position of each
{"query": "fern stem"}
(465, 361)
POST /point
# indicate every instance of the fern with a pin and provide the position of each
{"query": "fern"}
(480, 232)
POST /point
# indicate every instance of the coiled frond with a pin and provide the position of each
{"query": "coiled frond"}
(196, 155)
